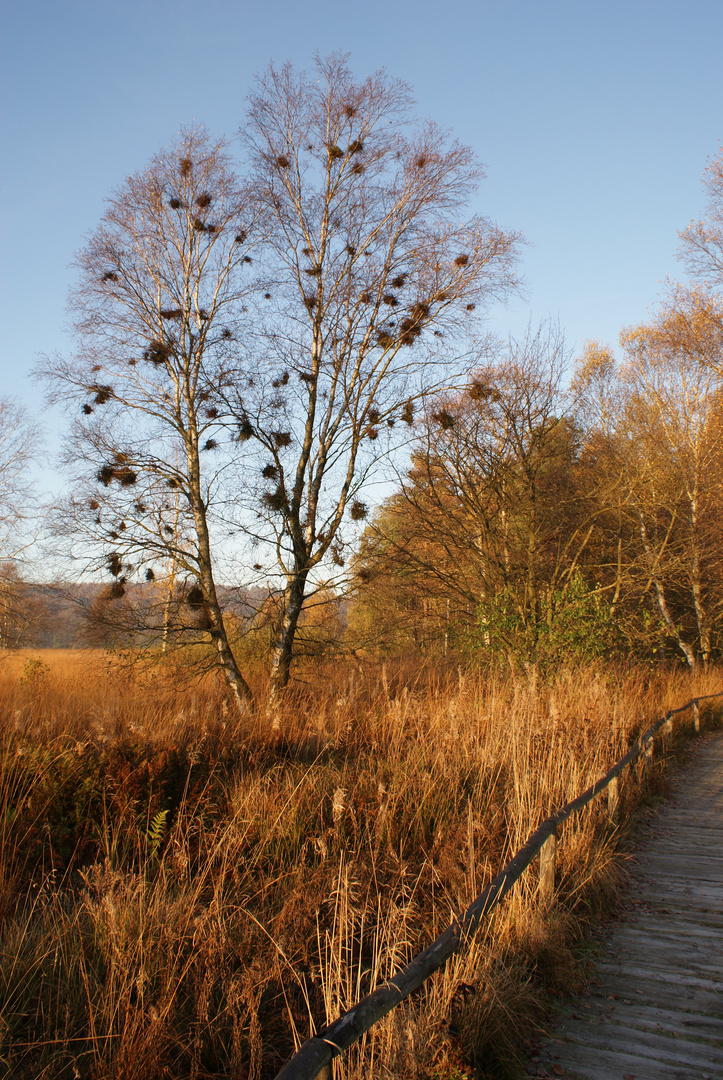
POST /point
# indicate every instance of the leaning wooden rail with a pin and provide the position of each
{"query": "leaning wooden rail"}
(316, 1053)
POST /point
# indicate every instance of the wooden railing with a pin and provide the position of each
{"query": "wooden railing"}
(316, 1053)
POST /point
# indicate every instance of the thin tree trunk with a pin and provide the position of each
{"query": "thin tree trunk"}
(660, 596)
(618, 572)
(695, 581)
(167, 614)
(283, 649)
(239, 689)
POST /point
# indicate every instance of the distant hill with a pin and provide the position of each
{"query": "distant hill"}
(60, 616)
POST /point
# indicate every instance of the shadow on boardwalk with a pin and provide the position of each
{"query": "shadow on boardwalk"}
(654, 1010)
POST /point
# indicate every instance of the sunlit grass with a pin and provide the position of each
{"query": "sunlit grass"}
(187, 894)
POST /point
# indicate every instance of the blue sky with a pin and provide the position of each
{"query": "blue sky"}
(594, 121)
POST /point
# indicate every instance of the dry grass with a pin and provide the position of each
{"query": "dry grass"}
(185, 895)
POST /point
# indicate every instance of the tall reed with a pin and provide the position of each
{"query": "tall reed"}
(183, 894)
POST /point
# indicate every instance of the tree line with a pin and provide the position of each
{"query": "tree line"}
(258, 340)
(542, 521)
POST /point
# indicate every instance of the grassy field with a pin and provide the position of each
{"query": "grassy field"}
(187, 895)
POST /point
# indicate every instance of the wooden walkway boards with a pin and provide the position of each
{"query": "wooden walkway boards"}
(655, 1007)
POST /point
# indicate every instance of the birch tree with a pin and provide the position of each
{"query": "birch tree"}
(251, 350)
(158, 310)
(19, 441)
(374, 277)
(673, 416)
(702, 241)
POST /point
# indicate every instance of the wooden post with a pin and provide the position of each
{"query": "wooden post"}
(547, 869)
(696, 717)
(613, 798)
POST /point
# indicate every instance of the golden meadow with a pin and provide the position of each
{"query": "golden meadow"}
(188, 894)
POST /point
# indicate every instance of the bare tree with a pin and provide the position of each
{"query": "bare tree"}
(673, 407)
(372, 276)
(702, 247)
(19, 440)
(158, 309)
(497, 508)
(220, 397)
(693, 322)
(597, 408)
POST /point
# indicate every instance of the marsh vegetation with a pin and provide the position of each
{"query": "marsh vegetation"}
(189, 893)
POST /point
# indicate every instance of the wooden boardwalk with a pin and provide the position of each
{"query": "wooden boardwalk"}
(654, 1009)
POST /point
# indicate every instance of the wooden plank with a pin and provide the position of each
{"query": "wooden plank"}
(683, 927)
(664, 1048)
(708, 864)
(655, 1016)
(590, 1064)
(665, 928)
